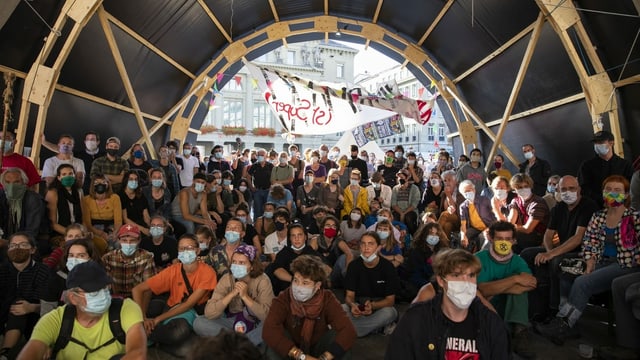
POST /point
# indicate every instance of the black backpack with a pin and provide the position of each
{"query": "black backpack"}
(66, 328)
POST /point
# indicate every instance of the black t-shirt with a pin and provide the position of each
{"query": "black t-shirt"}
(221, 165)
(87, 159)
(461, 340)
(249, 233)
(388, 174)
(163, 254)
(566, 222)
(135, 207)
(361, 165)
(372, 283)
(261, 175)
(308, 199)
(285, 257)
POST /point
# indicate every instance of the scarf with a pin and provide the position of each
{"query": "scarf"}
(308, 311)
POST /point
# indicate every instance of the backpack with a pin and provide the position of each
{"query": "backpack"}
(66, 328)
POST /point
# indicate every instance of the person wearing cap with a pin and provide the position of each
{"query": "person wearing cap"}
(241, 300)
(189, 208)
(404, 201)
(111, 165)
(605, 163)
(88, 293)
(538, 169)
(129, 265)
(169, 320)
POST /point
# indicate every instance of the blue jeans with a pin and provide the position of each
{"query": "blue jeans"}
(205, 327)
(259, 199)
(378, 319)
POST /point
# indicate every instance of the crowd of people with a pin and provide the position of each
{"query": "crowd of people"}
(256, 242)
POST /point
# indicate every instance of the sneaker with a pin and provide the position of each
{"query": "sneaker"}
(558, 330)
(389, 328)
(521, 345)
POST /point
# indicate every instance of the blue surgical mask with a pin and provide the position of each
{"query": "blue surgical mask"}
(383, 235)
(132, 184)
(98, 302)
(260, 158)
(239, 271)
(187, 257)
(138, 154)
(399, 154)
(470, 195)
(217, 155)
(8, 145)
(268, 214)
(243, 219)
(198, 187)
(551, 189)
(380, 218)
(156, 231)
(157, 183)
(433, 240)
(226, 182)
(232, 236)
(128, 249)
(72, 262)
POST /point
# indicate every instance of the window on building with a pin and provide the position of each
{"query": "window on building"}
(430, 134)
(232, 113)
(291, 57)
(262, 116)
(415, 138)
(406, 139)
(340, 71)
(441, 132)
(414, 91)
(399, 139)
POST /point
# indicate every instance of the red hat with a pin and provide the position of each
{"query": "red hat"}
(130, 230)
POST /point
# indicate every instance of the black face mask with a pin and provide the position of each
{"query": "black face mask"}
(354, 157)
(112, 152)
(334, 181)
(279, 226)
(402, 181)
(100, 188)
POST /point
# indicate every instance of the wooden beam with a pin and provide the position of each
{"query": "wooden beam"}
(274, 11)
(326, 7)
(124, 76)
(517, 85)
(215, 20)
(376, 14)
(435, 22)
(563, 12)
(628, 81)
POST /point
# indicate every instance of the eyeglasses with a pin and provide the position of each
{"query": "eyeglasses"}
(20, 246)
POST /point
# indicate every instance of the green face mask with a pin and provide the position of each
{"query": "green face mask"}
(68, 181)
(15, 191)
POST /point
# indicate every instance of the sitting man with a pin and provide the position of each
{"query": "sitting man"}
(21, 209)
(12, 159)
(129, 265)
(472, 330)
(568, 222)
(90, 334)
(476, 216)
(505, 280)
(450, 200)
(371, 285)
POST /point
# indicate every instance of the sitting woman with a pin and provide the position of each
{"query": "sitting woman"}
(135, 210)
(390, 248)
(307, 198)
(333, 249)
(241, 299)
(138, 163)
(427, 242)
(352, 228)
(206, 241)
(188, 283)
(245, 190)
(355, 196)
(75, 251)
(72, 232)
(250, 234)
(528, 212)
(307, 320)
(610, 249)
(63, 198)
(102, 212)
(265, 224)
(502, 197)
(157, 195)
(189, 208)
(281, 197)
(160, 243)
(330, 193)
(430, 200)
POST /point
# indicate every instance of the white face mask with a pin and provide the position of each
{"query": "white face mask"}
(528, 155)
(501, 194)
(601, 149)
(524, 193)
(470, 195)
(91, 145)
(302, 293)
(369, 259)
(355, 216)
(434, 182)
(569, 197)
(433, 240)
(461, 293)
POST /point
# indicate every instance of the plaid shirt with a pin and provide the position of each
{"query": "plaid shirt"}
(103, 165)
(128, 272)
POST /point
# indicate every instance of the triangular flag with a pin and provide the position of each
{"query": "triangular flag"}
(420, 91)
(436, 144)
(220, 77)
(212, 102)
(255, 83)
(238, 79)
(215, 88)
(433, 84)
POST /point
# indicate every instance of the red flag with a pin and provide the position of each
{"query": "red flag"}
(219, 77)
(421, 91)
(436, 144)
(425, 108)
(238, 79)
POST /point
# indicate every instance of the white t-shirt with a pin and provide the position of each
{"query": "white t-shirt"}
(51, 165)
(186, 174)
(272, 245)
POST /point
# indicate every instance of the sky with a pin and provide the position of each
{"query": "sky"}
(369, 60)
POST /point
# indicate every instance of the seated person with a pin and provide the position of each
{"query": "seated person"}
(427, 242)
(129, 265)
(102, 212)
(551, 195)
(379, 191)
(169, 321)
(333, 249)
(529, 212)
(307, 197)
(372, 217)
(318, 214)
(23, 282)
(135, 209)
(162, 245)
(206, 241)
(307, 319)
(352, 228)
(265, 224)
(21, 209)
(430, 200)
(455, 311)
(626, 294)
(88, 296)
(139, 164)
(404, 201)
(502, 197)
(240, 301)
(505, 280)
(355, 196)
(450, 201)
(475, 217)
(371, 285)
(279, 271)
(390, 248)
(72, 232)
(277, 240)
(220, 256)
(229, 197)
(64, 200)
(330, 194)
(280, 196)
(383, 214)
(157, 194)
(189, 208)
(250, 234)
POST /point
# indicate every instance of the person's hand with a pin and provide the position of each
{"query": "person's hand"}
(591, 265)
(451, 210)
(543, 258)
(464, 240)
(149, 325)
(340, 198)
(401, 216)
(355, 310)
(368, 309)
(20, 307)
(241, 288)
(527, 280)
(211, 224)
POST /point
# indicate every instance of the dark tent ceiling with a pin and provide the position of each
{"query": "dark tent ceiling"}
(555, 69)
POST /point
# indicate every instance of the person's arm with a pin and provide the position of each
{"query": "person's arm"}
(51, 199)
(283, 275)
(117, 212)
(513, 216)
(350, 301)
(571, 243)
(547, 240)
(514, 284)
(347, 252)
(529, 226)
(136, 343)
(256, 243)
(115, 179)
(34, 349)
(220, 298)
(388, 301)
(426, 292)
(140, 294)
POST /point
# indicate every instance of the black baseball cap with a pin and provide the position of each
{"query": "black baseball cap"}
(89, 276)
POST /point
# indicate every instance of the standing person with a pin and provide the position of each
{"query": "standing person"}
(111, 165)
(306, 320)
(387, 170)
(260, 173)
(307, 198)
(298, 167)
(474, 171)
(64, 156)
(357, 163)
(319, 171)
(400, 162)
(592, 172)
(217, 161)
(88, 154)
(167, 163)
(190, 166)
(324, 158)
(11, 159)
(64, 205)
(455, 324)
(538, 169)
(283, 173)
(88, 296)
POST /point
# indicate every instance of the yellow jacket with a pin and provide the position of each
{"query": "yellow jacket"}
(361, 202)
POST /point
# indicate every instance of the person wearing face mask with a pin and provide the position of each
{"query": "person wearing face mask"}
(331, 195)
(462, 161)
(279, 271)
(129, 265)
(353, 227)
(280, 196)
(157, 194)
(390, 248)
(206, 241)
(64, 156)
(190, 208)
(416, 173)
(371, 284)
(135, 209)
(610, 249)
(426, 243)
(528, 212)
(162, 245)
(23, 282)
(323, 157)
(431, 196)
(506, 280)
(11, 159)
(190, 165)
(319, 171)
(71, 232)
(169, 172)
(399, 161)
(355, 196)
(283, 173)
(277, 240)
(502, 197)
(552, 196)
(168, 321)
(64, 205)
(604, 163)
(405, 198)
(379, 191)
(473, 171)
(240, 301)
(217, 161)
(306, 321)
(307, 197)
(247, 195)
(454, 323)
(220, 256)
(22, 208)
(387, 170)
(333, 249)
(111, 165)
(260, 173)
(138, 161)
(88, 294)
(476, 216)
(538, 169)
(101, 212)
(357, 163)
(562, 239)
(250, 234)
(298, 166)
